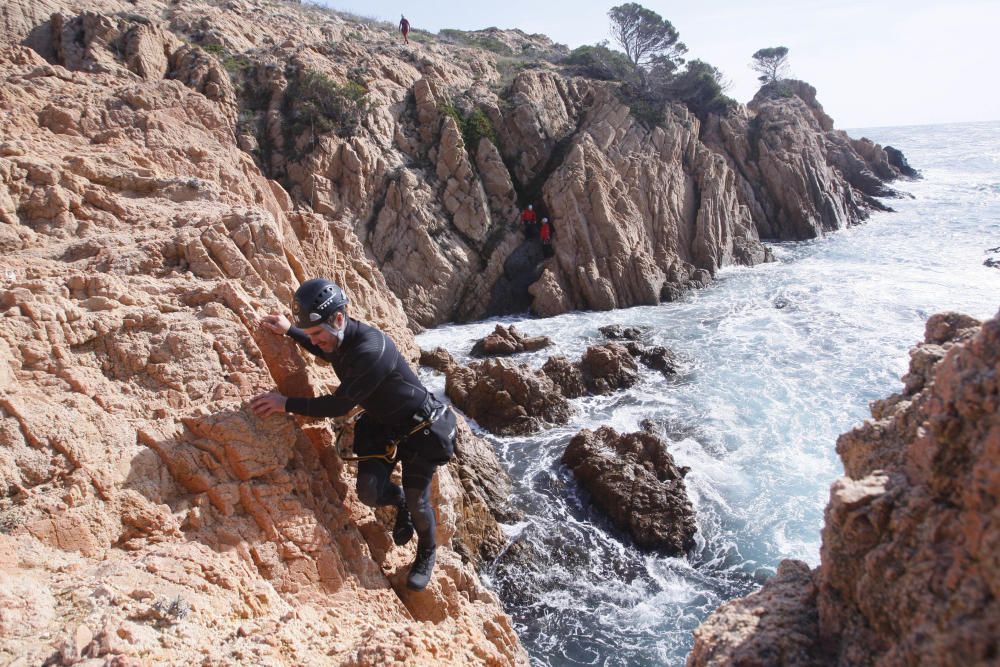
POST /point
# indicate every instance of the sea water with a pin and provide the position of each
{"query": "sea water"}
(776, 361)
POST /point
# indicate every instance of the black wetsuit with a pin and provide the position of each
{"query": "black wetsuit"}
(375, 375)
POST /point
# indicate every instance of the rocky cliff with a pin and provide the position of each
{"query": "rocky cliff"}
(797, 175)
(909, 569)
(146, 515)
(426, 152)
(170, 171)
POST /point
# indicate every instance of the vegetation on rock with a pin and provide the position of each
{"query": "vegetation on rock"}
(771, 63)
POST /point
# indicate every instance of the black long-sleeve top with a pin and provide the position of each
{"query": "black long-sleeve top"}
(372, 373)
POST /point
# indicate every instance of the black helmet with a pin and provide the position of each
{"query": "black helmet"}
(316, 301)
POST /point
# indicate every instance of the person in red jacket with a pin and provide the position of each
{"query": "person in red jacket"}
(404, 27)
(546, 235)
(530, 222)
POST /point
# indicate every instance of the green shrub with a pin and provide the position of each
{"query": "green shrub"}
(236, 64)
(477, 125)
(321, 105)
(600, 62)
(421, 37)
(214, 49)
(473, 127)
(699, 87)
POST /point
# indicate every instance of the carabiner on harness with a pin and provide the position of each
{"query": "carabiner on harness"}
(391, 454)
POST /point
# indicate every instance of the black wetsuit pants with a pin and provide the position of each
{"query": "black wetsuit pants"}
(375, 490)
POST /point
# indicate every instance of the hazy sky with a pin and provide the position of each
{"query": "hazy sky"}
(873, 63)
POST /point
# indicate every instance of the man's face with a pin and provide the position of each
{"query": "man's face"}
(321, 335)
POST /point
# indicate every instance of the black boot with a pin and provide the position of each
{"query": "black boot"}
(420, 571)
(402, 531)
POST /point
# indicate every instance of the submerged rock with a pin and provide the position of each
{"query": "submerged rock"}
(506, 341)
(622, 332)
(994, 260)
(633, 478)
(909, 557)
(656, 357)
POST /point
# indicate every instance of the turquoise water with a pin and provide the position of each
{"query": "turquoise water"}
(778, 361)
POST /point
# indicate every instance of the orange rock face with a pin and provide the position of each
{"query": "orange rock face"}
(147, 517)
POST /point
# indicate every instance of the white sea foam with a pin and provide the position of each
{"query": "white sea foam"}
(778, 361)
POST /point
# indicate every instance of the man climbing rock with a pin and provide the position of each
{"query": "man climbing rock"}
(404, 27)
(398, 410)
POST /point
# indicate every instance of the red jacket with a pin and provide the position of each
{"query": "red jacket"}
(528, 215)
(546, 233)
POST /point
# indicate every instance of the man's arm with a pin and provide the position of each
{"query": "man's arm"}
(302, 339)
(371, 363)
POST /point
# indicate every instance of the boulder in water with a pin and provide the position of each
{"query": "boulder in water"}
(439, 359)
(622, 332)
(633, 478)
(507, 341)
(898, 160)
(602, 370)
(506, 398)
(656, 357)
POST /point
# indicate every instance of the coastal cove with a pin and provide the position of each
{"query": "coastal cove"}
(188, 481)
(778, 360)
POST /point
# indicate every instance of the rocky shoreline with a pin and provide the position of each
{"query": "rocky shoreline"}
(163, 183)
(908, 571)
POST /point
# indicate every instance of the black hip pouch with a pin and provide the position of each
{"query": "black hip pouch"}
(435, 442)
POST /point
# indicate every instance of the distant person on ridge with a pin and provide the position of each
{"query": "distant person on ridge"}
(404, 27)
(398, 410)
(528, 219)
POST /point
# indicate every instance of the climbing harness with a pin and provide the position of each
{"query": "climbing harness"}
(391, 454)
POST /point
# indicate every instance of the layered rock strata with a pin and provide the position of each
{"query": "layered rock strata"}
(427, 151)
(148, 516)
(909, 571)
(634, 480)
(798, 177)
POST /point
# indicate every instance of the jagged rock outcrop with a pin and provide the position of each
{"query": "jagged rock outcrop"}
(505, 341)
(507, 398)
(656, 357)
(909, 571)
(639, 212)
(633, 478)
(625, 233)
(484, 501)
(144, 500)
(171, 171)
(603, 369)
(798, 176)
(993, 260)
(439, 359)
